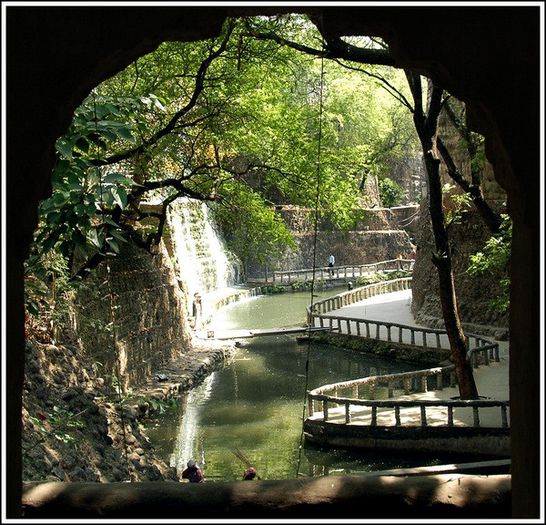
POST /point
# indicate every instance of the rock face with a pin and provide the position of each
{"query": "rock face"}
(474, 294)
(141, 295)
(353, 247)
(73, 427)
(377, 237)
(409, 174)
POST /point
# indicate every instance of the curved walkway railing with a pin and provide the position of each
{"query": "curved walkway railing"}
(347, 394)
(341, 272)
(318, 309)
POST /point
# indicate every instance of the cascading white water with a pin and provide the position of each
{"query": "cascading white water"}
(202, 261)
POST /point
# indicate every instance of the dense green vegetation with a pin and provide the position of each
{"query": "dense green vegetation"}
(233, 121)
(494, 260)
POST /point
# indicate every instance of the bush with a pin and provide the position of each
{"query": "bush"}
(390, 192)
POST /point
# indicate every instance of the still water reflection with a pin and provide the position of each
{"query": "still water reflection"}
(255, 403)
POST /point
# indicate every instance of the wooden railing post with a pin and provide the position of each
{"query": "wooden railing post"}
(504, 416)
(423, 416)
(397, 416)
(440, 380)
(476, 413)
(371, 393)
(424, 384)
(374, 416)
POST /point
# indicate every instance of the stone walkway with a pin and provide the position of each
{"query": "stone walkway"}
(492, 380)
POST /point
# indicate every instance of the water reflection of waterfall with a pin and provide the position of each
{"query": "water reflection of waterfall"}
(202, 261)
(188, 443)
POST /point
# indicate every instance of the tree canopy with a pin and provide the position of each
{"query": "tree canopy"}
(232, 121)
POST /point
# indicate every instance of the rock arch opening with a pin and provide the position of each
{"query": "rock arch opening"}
(465, 49)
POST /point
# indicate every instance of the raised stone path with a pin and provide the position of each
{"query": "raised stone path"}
(223, 335)
(492, 380)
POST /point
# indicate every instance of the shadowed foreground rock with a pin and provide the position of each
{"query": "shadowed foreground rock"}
(440, 496)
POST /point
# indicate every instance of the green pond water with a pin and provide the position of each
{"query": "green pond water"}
(255, 403)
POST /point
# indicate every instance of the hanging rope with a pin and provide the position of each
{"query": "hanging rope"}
(315, 234)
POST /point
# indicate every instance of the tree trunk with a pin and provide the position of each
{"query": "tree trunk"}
(426, 125)
(448, 298)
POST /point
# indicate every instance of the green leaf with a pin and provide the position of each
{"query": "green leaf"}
(120, 196)
(50, 242)
(118, 235)
(92, 236)
(115, 194)
(64, 148)
(110, 221)
(113, 244)
(124, 133)
(78, 238)
(115, 177)
(82, 144)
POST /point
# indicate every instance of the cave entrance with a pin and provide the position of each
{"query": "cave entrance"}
(478, 85)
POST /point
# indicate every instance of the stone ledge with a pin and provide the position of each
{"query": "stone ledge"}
(181, 375)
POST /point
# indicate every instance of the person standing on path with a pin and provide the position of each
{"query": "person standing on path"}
(331, 262)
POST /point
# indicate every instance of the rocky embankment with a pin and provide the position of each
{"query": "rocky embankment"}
(74, 427)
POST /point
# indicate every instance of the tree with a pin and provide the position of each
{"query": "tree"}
(425, 125)
(171, 125)
(425, 121)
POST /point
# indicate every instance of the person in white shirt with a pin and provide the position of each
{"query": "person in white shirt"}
(331, 262)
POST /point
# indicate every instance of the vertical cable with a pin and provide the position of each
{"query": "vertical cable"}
(315, 234)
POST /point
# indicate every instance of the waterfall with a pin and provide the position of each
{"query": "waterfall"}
(200, 257)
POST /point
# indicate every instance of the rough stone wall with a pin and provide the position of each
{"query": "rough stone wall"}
(150, 321)
(354, 247)
(473, 293)
(73, 427)
(409, 173)
(493, 193)
(300, 220)
(377, 237)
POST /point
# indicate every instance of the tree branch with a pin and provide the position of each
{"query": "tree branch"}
(334, 48)
(394, 92)
(492, 219)
(198, 88)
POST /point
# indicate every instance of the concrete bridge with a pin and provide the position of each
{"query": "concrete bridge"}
(336, 274)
